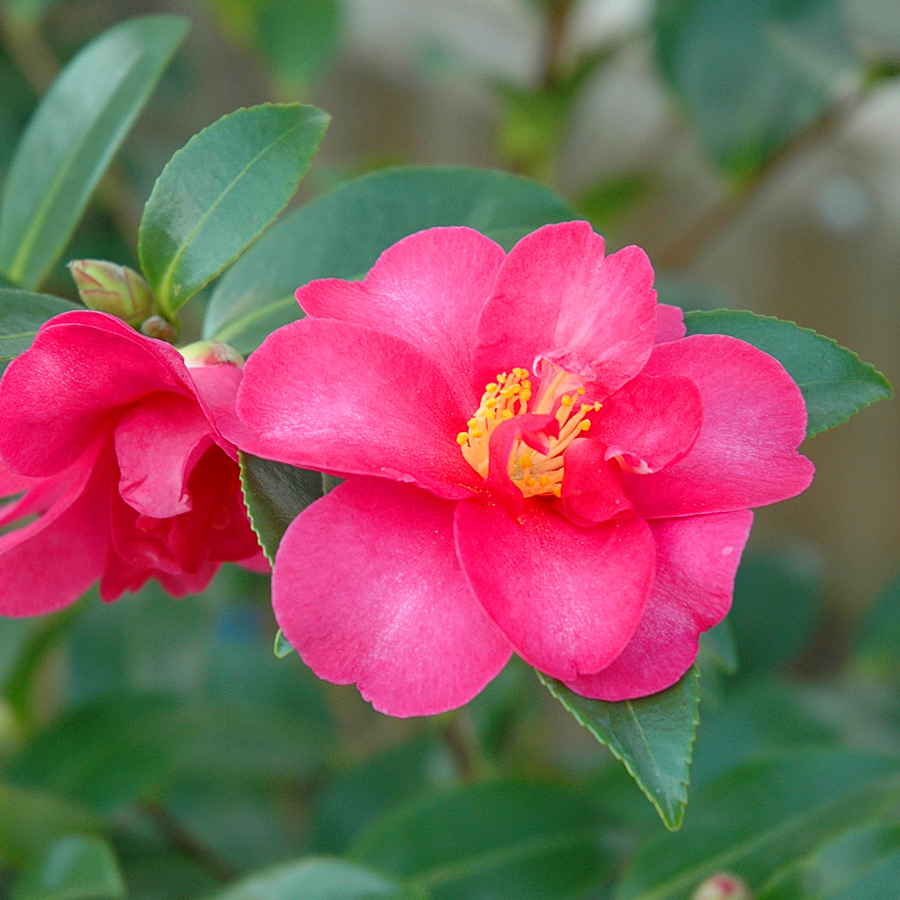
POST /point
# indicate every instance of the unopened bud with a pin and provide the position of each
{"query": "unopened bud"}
(722, 886)
(210, 353)
(110, 288)
(158, 327)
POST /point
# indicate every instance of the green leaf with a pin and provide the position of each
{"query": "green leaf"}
(313, 879)
(282, 647)
(341, 235)
(31, 820)
(275, 494)
(72, 138)
(753, 75)
(527, 840)
(76, 867)
(877, 644)
(834, 381)
(778, 594)
(652, 736)
(861, 865)
(21, 314)
(761, 817)
(219, 193)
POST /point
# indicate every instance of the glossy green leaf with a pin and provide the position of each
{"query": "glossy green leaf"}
(753, 75)
(652, 736)
(834, 381)
(314, 879)
(220, 191)
(31, 820)
(77, 128)
(275, 494)
(75, 867)
(508, 841)
(761, 817)
(21, 314)
(341, 235)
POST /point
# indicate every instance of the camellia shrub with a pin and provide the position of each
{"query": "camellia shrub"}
(491, 474)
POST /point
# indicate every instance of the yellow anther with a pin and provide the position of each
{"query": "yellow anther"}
(490, 404)
(506, 414)
(525, 461)
(581, 391)
(525, 395)
(492, 388)
(566, 400)
(585, 425)
(462, 437)
(557, 490)
(586, 407)
(477, 433)
(530, 482)
(597, 406)
(544, 480)
(501, 378)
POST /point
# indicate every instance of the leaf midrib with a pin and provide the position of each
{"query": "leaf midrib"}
(166, 283)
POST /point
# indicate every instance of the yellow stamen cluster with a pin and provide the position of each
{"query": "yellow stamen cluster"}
(533, 473)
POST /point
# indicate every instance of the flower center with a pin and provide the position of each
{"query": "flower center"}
(534, 473)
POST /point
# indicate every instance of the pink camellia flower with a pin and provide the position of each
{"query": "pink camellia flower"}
(536, 459)
(111, 437)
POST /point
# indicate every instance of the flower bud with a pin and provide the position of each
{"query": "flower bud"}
(210, 353)
(110, 288)
(158, 327)
(722, 886)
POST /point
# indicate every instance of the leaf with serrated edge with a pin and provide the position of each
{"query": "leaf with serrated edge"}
(252, 161)
(275, 494)
(834, 382)
(629, 728)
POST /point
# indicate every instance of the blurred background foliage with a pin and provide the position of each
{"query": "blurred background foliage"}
(157, 749)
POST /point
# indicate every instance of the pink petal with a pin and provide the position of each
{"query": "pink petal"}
(669, 323)
(567, 598)
(696, 560)
(427, 289)
(754, 418)
(157, 442)
(50, 562)
(592, 486)
(57, 395)
(217, 388)
(367, 588)
(651, 422)
(557, 298)
(341, 398)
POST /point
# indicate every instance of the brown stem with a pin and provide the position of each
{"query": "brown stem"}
(685, 247)
(181, 840)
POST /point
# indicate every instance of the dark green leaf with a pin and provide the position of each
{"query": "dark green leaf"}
(357, 797)
(878, 641)
(507, 841)
(30, 821)
(72, 138)
(764, 816)
(861, 865)
(76, 867)
(313, 879)
(835, 383)
(718, 644)
(778, 594)
(275, 494)
(652, 736)
(21, 314)
(752, 75)
(341, 235)
(220, 191)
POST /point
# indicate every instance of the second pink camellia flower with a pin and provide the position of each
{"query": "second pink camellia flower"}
(537, 460)
(111, 439)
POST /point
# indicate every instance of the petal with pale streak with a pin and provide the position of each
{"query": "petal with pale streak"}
(427, 289)
(368, 589)
(754, 418)
(567, 598)
(558, 298)
(341, 398)
(696, 560)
